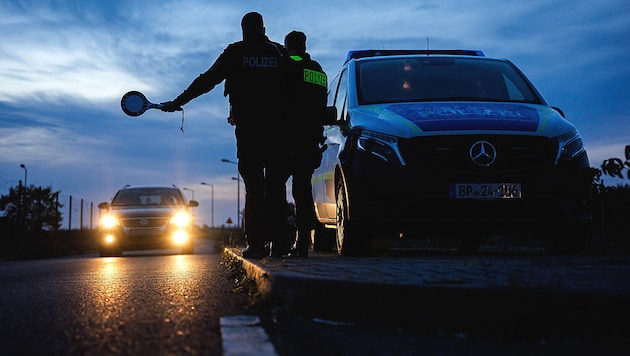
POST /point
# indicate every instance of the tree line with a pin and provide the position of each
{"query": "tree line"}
(30, 209)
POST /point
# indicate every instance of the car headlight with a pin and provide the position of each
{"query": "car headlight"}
(180, 237)
(108, 221)
(181, 219)
(570, 144)
(382, 146)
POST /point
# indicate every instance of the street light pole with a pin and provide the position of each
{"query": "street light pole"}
(238, 200)
(25, 174)
(23, 199)
(238, 191)
(212, 204)
(193, 196)
(193, 192)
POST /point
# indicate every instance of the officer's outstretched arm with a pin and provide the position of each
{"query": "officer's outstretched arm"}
(170, 106)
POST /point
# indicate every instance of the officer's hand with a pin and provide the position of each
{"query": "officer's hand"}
(170, 106)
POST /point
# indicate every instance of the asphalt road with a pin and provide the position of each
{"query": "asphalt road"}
(142, 303)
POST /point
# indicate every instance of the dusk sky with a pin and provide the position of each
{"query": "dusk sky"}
(64, 66)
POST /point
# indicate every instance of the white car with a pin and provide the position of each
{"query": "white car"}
(146, 218)
(446, 142)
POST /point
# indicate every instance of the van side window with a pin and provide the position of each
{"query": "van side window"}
(340, 98)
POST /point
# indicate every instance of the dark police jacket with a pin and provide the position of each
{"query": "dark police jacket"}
(256, 81)
(308, 97)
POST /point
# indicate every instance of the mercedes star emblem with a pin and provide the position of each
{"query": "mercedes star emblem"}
(483, 153)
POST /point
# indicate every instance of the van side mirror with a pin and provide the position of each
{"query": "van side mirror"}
(331, 116)
(193, 203)
(558, 110)
(103, 205)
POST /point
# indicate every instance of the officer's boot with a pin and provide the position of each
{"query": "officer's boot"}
(303, 243)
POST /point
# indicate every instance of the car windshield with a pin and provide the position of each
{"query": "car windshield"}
(425, 78)
(154, 196)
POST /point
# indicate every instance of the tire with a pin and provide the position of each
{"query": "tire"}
(470, 243)
(323, 239)
(188, 249)
(570, 238)
(351, 239)
(109, 252)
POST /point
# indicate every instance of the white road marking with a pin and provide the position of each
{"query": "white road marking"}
(243, 335)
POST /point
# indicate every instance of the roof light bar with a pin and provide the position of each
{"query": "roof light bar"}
(393, 52)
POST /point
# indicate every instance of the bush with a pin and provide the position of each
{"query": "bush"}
(20, 245)
(611, 209)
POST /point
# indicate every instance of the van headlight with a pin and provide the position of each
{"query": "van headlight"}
(570, 145)
(380, 145)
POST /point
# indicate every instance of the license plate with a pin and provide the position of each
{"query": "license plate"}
(485, 191)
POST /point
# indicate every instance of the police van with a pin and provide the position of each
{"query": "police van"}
(446, 142)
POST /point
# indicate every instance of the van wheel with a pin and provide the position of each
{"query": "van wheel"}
(351, 239)
(571, 238)
(469, 243)
(323, 239)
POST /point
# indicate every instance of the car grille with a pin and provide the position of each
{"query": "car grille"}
(144, 222)
(136, 234)
(449, 156)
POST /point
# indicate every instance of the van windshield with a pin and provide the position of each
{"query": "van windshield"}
(426, 78)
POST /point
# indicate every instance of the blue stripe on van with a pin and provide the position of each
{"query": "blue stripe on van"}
(469, 116)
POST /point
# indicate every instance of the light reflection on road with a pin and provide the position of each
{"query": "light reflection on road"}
(121, 288)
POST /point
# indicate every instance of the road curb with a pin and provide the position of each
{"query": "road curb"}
(581, 299)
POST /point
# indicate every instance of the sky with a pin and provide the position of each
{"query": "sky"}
(64, 66)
